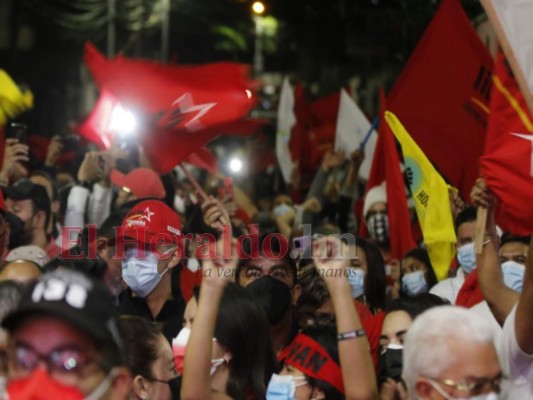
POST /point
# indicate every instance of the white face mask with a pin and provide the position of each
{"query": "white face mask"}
(179, 204)
(140, 273)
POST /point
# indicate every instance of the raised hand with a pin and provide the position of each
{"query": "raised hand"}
(14, 152)
(332, 159)
(215, 215)
(55, 147)
(481, 194)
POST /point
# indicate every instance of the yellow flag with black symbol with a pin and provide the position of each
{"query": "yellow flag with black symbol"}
(432, 201)
(13, 101)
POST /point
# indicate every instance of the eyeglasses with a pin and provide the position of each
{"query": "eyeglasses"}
(474, 386)
(67, 360)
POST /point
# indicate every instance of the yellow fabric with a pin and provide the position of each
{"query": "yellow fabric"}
(432, 201)
(12, 100)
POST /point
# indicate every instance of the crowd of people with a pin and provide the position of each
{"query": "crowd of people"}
(119, 283)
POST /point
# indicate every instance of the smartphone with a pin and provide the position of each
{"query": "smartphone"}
(301, 243)
(70, 142)
(16, 130)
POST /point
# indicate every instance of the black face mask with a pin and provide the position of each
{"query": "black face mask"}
(272, 295)
(391, 365)
(175, 387)
(18, 235)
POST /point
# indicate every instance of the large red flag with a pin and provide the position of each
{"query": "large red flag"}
(507, 164)
(181, 108)
(386, 167)
(442, 95)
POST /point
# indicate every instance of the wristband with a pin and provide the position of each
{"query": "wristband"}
(351, 335)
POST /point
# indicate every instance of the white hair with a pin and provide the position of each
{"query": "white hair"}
(430, 340)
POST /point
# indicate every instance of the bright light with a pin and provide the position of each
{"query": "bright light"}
(235, 165)
(258, 7)
(248, 93)
(122, 120)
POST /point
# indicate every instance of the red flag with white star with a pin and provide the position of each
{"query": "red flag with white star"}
(507, 164)
(180, 108)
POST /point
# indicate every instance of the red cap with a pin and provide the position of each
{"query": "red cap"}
(142, 182)
(151, 222)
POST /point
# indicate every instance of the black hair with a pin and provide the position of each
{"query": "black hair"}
(55, 192)
(510, 238)
(469, 214)
(63, 195)
(10, 295)
(107, 229)
(243, 330)
(314, 294)
(375, 280)
(421, 255)
(326, 336)
(275, 247)
(141, 344)
(416, 305)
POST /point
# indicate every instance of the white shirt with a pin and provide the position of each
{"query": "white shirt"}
(516, 364)
(482, 309)
(449, 288)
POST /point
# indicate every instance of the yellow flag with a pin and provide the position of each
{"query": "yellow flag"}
(12, 100)
(432, 201)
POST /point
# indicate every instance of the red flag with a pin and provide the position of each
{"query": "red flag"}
(507, 164)
(203, 158)
(182, 108)
(386, 167)
(442, 95)
(96, 128)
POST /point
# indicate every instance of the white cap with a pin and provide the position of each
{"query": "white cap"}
(378, 194)
(30, 253)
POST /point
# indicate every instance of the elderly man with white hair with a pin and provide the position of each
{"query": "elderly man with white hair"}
(449, 354)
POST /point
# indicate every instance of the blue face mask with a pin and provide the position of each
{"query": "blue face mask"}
(414, 283)
(140, 273)
(467, 257)
(513, 275)
(283, 387)
(356, 277)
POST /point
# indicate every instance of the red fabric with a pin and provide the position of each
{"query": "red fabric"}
(507, 163)
(470, 293)
(182, 108)
(362, 310)
(53, 250)
(96, 127)
(386, 166)
(142, 182)
(442, 95)
(188, 281)
(203, 158)
(372, 326)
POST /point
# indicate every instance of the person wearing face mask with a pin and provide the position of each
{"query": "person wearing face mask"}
(465, 225)
(150, 359)
(64, 342)
(228, 351)
(398, 319)
(417, 274)
(272, 283)
(149, 245)
(328, 362)
(28, 209)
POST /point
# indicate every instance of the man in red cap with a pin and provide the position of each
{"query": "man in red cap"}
(139, 183)
(150, 244)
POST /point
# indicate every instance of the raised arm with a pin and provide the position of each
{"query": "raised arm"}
(499, 297)
(331, 261)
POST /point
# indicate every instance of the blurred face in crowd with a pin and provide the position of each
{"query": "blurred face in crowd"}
(38, 341)
(481, 373)
(163, 370)
(282, 199)
(262, 266)
(124, 195)
(514, 251)
(32, 218)
(376, 208)
(304, 390)
(465, 233)
(394, 328)
(41, 180)
(21, 271)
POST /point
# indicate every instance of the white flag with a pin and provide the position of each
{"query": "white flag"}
(513, 22)
(286, 120)
(352, 127)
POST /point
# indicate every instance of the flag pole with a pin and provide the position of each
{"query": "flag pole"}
(481, 223)
(194, 182)
(373, 127)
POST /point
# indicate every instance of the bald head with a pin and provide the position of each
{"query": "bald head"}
(21, 271)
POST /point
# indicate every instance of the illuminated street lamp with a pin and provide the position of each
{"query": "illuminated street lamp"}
(258, 8)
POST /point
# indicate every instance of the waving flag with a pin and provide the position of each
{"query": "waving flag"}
(352, 128)
(286, 121)
(507, 164)
(13, 101)
(181, 108)
(442, 95)
(430, 194)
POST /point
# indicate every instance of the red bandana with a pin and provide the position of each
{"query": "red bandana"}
(313, 360)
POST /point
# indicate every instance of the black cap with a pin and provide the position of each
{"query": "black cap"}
(24, 189)
(71, 297)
